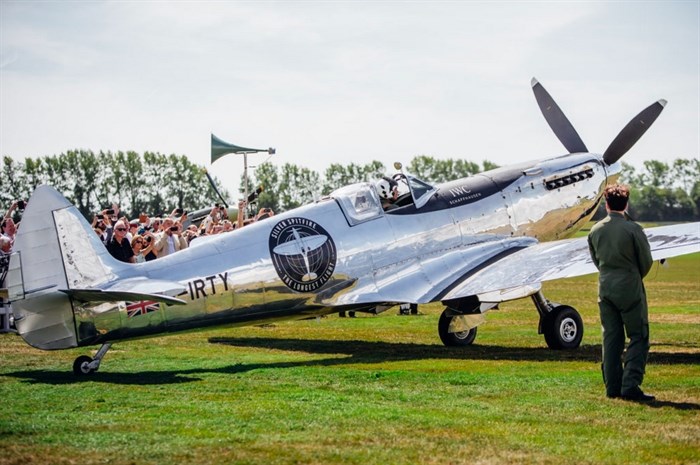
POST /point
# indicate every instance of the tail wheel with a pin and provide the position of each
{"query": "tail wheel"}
(81, 366)
(456, 339)
(563, 328)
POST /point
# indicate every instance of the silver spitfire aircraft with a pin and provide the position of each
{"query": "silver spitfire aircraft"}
(470, 244)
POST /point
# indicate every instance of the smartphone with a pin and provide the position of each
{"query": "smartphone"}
(21, 204)
(178, 211)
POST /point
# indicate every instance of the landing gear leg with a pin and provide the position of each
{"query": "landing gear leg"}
(85, 365)
(561, 325)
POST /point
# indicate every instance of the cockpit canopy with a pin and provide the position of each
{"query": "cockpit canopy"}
(360, 202)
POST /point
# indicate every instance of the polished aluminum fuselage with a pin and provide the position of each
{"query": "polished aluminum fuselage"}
(229, 279)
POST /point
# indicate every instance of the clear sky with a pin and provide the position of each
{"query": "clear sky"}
(326, 82)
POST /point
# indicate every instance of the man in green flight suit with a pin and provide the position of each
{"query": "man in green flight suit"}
(620, 250)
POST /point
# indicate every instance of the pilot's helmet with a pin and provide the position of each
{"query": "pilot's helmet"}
(385, 186)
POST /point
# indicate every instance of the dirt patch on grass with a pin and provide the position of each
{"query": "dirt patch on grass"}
(675, 318)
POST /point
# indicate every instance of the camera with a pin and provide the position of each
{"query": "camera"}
(252, 197)
(148, 239)
(174, 228)
(109, 211)
(21, 204)
(178, 211)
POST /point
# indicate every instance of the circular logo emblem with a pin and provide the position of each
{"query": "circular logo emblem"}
(303, 254)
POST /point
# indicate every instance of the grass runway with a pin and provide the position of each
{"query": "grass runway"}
(369, 390)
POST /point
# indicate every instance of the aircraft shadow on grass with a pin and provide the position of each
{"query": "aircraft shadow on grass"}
(347, 352)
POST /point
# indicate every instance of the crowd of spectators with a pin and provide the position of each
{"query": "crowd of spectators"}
(148, 238)
(144, 238)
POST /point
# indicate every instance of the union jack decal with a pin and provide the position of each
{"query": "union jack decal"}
(141, 308)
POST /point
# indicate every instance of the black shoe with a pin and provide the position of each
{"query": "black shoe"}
(612, 396)
(638, 396)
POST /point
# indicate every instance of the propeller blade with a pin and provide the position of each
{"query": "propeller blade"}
(631, 133)
(557, 120)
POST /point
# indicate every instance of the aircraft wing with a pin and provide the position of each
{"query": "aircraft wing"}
(508, 268)
(565, 259)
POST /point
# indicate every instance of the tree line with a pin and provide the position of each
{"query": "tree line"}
(156, 183)
(663, 191)
(152, 182)
(290, 186)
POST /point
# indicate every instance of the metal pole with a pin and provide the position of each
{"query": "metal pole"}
(245, 184)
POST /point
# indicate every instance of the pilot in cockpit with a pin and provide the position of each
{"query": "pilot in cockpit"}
(388, 190)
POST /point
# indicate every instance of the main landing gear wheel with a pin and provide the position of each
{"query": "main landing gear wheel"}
(563, 328)
(456, 339)
(81, 366)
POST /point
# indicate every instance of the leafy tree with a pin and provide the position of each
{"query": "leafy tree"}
(695, 198)
(488, 165)
(443, 170)
(337, 175)
(685, 173)
(297, 186)
(13, 185)
(657, 174)
(266, 175)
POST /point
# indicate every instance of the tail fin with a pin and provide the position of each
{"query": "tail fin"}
(55, 249)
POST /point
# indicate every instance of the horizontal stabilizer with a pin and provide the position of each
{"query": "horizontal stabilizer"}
(98, 295)
(139, 288)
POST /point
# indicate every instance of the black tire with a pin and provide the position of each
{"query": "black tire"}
(80, 366)
(459, 339)
(563, 328)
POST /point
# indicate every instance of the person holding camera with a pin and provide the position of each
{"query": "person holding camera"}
(103, 222)
(142, 246)
(8, 228)
(170, 239)
(264, 213)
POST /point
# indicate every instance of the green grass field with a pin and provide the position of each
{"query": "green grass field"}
(369, 390)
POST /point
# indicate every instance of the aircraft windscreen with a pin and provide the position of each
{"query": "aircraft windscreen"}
(420, 190)
(418, 187)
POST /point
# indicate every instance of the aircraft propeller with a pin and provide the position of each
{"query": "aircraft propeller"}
(561, 126)
(631, 133)
(568, 136)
